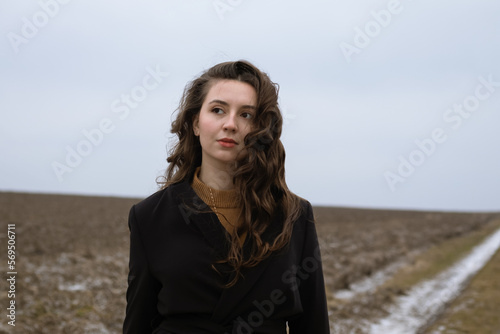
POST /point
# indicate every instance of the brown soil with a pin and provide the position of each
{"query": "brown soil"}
(356, 243)
(72, 257)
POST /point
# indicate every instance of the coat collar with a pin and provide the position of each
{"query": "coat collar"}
(198, 215)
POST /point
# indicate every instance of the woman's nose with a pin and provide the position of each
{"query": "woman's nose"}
(230, 123)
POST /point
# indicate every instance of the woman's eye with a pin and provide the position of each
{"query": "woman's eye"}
(217, 110)
(247, 115)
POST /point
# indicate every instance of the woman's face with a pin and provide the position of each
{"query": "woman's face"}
(224, 120)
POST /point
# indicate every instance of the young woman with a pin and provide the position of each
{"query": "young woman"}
(225, 247)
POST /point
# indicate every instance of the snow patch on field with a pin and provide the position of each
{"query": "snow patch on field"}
(424, 301)
(73, 287)
(369, 283)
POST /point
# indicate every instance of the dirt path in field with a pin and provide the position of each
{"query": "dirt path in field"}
(413, 312)
(73, 252)
(476, 309)
(361, 249)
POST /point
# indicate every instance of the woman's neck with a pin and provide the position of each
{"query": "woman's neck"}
(216, 178)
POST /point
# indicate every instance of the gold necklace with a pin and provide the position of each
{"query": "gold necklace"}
(215, 207)
(213, 202)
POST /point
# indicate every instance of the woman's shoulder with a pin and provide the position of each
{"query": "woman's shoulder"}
(304, 204)
(306, 211)
(163, 199)
(305, 220)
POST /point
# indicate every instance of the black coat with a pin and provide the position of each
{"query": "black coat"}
(175, 240)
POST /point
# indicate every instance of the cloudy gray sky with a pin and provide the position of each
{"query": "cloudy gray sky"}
(390, 104)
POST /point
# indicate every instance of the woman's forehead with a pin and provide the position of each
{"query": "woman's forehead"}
(232, 92)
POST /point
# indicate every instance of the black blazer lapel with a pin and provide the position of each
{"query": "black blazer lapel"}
(199, 216)
(232, 296)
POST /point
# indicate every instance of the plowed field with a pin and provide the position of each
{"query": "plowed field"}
(72, 257)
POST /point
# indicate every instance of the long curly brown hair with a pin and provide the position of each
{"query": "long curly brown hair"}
(258, 176)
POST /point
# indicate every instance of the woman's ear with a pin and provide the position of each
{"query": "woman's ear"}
(196, 122)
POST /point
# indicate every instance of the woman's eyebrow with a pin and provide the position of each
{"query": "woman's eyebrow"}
(219, 102)
(224, 103)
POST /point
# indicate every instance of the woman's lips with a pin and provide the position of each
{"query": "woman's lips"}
(227, 142)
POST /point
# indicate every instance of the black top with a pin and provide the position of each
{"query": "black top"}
(175, 240)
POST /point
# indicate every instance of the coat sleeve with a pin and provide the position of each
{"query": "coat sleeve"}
(143, 288)
(314, 318)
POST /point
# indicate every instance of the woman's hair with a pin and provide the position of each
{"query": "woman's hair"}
(258, 176)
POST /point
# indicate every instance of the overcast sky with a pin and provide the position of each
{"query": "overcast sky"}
(387, 104)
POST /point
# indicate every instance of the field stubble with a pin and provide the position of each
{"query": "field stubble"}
(72, 257)
(359, 244)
